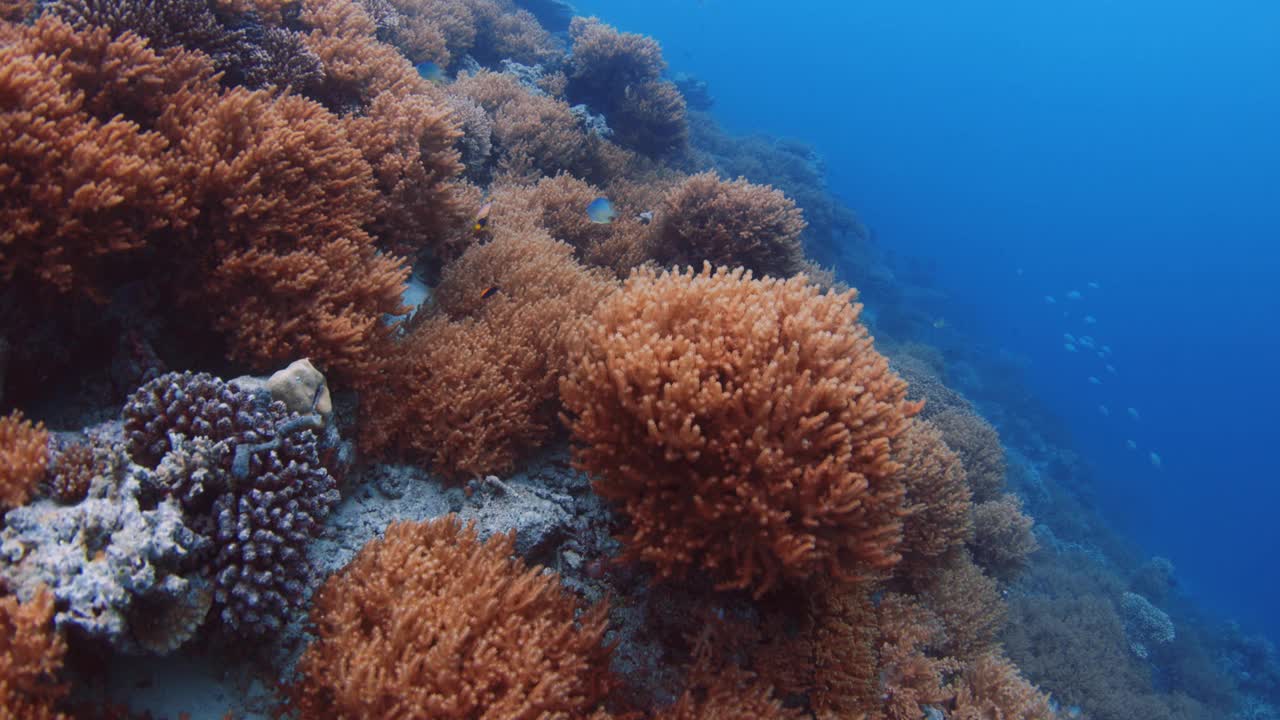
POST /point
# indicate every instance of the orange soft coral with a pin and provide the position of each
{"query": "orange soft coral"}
(734, 223)
(24, 459)
(283, 199)
(910, 675)
(742, 426)
(991, 688)
(969, 604)
(979, 448)
(83, 188)
(474, 387)
(620, 74)
(940, 515)
(409, 141)
(1002, 540)
(430, 622)
(558, 205)
(31, 655)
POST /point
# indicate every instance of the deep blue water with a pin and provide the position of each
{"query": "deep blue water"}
(1132, 144)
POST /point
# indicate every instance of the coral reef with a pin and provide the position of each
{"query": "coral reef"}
(24, 458)
(733, 223)
(725, 418)
(31, 655)
(430, 622)
(1146, 625)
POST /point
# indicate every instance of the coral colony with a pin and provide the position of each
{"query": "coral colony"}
(634, 455)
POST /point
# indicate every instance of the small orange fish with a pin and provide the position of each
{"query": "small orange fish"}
(489, 292)
(482, 216)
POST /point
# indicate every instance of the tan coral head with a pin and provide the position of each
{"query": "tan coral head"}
(302, 388)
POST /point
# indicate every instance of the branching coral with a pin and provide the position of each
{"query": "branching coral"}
(990, 688)
(734, 223)
(24, 458)
(475, 387)
(1002, 538)
(16, 10)
(940, 515)
(430, 622)
(621, 75)
(31, 655)
(744, 427)
(248, 476)
(978, 446)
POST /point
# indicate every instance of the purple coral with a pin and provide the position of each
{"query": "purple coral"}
(248, 475)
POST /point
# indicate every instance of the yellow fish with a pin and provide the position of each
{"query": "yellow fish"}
(940, 323)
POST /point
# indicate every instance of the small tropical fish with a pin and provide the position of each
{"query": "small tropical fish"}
(940, 323)
(490, 292)
(1048, 300)
(482, 217)
(1094, 286)
(1073, 294)
(1069, 337)
(1069, 347)
(430, 71)
(1106, 411)
(601, 211)
(1156, 462)
(1131, 444)
(645, 217)
(1086, 340)
(1133, 413)
(1106, 349)
(1019, 271)
(1111, 369)
(1094, 381)
(1090, 320)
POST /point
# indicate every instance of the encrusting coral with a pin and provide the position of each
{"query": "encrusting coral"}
(733, 223)
(121, 565)
(744, 427)
(430, 622)
(31, 655)
(24, 458)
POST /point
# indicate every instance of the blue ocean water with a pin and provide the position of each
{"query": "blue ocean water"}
(1022, 150)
